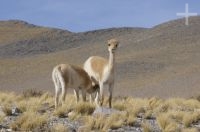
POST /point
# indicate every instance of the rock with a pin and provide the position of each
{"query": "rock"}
(16, 111)
(71, 113)
(105, 111)
(8, 120)
(196, 124)
(2, 127)
(127, 129)
(71, 125)
(153, 124)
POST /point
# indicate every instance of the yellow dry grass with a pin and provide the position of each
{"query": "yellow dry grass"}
(103, 123)
(190, 130)
(169, 113)
(29, 121)
(191, 117)
(59, 128)
(166, 124)
(7, 110)
(146, 127)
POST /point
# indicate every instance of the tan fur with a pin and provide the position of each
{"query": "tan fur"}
(113, 41)
(70, 76)
(98, 64)
(65, 68)
(103, 70)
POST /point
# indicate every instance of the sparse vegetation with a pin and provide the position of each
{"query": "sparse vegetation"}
(61, 112)
(171, 114)
(59, 128)
(29, 121)
(198, 98)
(190, 130)
(7, 110)
(102, 122)
(190, 118)
(32, 93)
(84, 108)
(146, 127)
(166, 123)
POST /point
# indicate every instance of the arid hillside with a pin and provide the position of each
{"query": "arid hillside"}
(161, 61)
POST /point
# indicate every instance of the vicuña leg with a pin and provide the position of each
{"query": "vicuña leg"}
(101, 94)
(57, 92)
(93, 96)
(84, 95)
(110, 94)
(64, 90)
(76, 93)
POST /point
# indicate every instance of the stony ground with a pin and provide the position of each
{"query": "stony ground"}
(78, 125)
(74, 126)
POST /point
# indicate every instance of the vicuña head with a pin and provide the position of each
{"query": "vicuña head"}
(112, 45)
(102, 70)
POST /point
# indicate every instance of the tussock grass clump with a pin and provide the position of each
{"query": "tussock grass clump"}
(59, 128)
(190, 118)
(29, 104)
(176, 115)
(146, 127)
(80, 108)
(61, 111)
(95, 123)
(7, 110)
(31, 93)
(163, 121)
(130, 120)
(34, 103)
(8, 98)
(47, 98)
(119, 105)
(135, 106)
(67, 107)
(190, 130)
(183, 104)
(114, 121)
(172, 127)
(1, 118)
(103, 123)
(166, 124)
(154, 103)
(84, 108)
(29, 121)
(197, 97)
(148, 114)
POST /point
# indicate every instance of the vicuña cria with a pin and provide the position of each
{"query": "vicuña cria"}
(70, 76)
(103, 70)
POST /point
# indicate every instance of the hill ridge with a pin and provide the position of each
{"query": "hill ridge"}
(161, 61)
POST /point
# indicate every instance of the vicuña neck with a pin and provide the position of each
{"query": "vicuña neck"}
(111, 60)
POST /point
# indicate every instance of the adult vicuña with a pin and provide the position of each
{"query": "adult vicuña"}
(103, 70)
(70, 76)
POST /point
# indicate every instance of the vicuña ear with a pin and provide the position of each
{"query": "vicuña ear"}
(94, 80)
